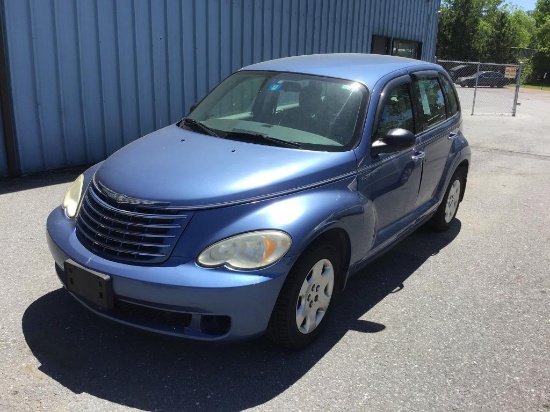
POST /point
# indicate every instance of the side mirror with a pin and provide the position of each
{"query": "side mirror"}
(394, 141)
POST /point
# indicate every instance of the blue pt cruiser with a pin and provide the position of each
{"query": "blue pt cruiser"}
(249, 215)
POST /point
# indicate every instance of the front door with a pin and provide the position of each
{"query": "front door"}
(390, 181)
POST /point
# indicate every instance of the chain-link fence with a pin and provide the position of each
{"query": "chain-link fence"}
(485, 88)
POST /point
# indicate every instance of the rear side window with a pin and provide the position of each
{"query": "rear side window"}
(452, 100)
(431, 102)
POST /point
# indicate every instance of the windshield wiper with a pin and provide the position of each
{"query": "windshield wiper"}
(260, 138)
(198, 126)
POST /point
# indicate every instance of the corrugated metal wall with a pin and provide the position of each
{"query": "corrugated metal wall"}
(89, 76)
(3, 157)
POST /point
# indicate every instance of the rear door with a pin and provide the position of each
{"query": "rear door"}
(439, 119)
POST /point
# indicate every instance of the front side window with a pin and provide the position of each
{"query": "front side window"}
(397, 112)
(432, 102)
(310, 112)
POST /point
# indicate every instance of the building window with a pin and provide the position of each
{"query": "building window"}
(406, 48)
(380, 45)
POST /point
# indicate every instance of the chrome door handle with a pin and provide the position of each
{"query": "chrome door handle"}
(452, 135)
(419, 155)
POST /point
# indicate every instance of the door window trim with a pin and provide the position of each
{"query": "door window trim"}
(388, 87)
(427, 74)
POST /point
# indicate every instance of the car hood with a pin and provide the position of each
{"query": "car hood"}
(194, 170)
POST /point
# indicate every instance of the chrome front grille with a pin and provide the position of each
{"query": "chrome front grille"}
(124, 229)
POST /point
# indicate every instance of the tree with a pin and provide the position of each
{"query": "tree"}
(501, 38)
(541, 40)
(524, 25)
(541, 59)
(483, 30)
(541, 12)
(458, 35)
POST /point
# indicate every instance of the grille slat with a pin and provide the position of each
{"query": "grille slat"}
(128, 230)
(118, 250)
(121, 240)
(125, 222)
(111, 229)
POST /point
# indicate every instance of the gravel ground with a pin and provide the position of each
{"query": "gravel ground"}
(458, 321)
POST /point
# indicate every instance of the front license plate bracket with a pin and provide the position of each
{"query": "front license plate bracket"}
(89, 284)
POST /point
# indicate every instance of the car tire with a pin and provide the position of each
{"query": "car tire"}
(306, 298)
(462, 85)
(448, 208)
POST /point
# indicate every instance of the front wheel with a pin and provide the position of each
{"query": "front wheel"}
(302, 307)
(446, 211)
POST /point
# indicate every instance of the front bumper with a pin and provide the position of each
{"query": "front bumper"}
(178, 297)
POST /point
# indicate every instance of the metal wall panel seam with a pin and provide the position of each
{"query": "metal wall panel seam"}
(9, 155)
(323, 27)
(194, 25)
(278, 23)
(36, 84)
(139, 119)
(100, 76)
(121, 99)
(226, 45)
(167, 65)
(157, 61)
(81, 84)
(60, 84)
(356, 26)
(336, 27)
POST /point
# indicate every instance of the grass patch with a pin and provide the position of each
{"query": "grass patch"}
(536, 87)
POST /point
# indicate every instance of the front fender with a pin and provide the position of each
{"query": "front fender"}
(303, 215)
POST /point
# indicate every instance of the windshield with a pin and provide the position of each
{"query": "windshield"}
(310, 112)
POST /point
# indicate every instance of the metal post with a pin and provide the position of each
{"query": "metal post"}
(475, 90)
(518, 82)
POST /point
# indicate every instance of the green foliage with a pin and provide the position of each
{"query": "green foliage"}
(459, 29)
(541, 12)
(541, 42)
(488, 30)
(524, 24)
(483, 30)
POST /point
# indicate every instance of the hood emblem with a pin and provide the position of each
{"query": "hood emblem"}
(120, 198)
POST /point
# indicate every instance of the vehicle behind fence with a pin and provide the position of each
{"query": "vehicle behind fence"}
(485, 88)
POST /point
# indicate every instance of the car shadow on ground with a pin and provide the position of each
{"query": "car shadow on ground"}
(42, 179)
(148, 372)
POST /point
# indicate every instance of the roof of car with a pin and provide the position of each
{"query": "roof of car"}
(363, 68)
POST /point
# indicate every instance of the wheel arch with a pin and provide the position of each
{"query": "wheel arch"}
(339, 238)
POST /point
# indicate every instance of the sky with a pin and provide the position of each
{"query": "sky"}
(524, 4)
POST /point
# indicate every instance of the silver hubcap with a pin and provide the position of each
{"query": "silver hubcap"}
(452, 201)
(314, 298)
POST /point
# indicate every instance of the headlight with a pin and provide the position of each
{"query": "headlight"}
(72, 198)
(251, 250)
